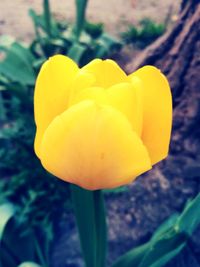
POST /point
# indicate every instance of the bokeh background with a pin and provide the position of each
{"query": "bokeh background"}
(134, 33)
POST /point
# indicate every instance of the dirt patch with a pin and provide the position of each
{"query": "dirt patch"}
(116, 15)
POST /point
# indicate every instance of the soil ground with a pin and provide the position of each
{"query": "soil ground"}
(115, 14)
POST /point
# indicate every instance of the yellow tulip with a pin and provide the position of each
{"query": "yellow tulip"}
(96, 126)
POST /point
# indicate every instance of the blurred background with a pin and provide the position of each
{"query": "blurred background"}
(36, 215)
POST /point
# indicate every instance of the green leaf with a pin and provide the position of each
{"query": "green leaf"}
(40, 22)
(132, 257)
(2, 109)
(15, 234)
(120, 189)
(2, 88)
(155, 252)
(166, 258)
(29, 264)
(17, 65)
(164, 247)
(20, 91)
(90, 215)
(47, 17)
(80, 16)
(94, 29)
(170, 238)
(76, 52)
(137, 254)
(85, 39)
(165, 226)
(6, 41)
(6, 213)
(106, 45)
(6, 259)
(189, 219)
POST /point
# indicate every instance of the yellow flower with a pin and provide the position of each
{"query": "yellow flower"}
(96, 126)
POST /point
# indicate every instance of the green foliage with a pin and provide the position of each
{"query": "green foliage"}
(23, 180)
(166, 243)
(29, 264)
(147, 32)
(18, 64)
(90, 214)
(19, 243)
(120, 189)
(82, 42)
(170, 238)
(80, 18)
(94, 29)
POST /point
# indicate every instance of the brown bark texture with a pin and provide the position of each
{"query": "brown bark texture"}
(177, 54)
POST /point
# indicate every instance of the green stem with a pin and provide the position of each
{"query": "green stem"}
(91, 221)
(81, 6)
(101, 228)
(47, 16)
(39, 252)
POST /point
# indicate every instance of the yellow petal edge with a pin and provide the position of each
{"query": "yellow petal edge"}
(157, 113)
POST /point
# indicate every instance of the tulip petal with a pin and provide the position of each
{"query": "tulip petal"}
(126, 97)
(107, 72)
(58, 78)
(98, 94)
(93, 146)
(52, 84)
(157, 120)
(52, 92)
(123, 96)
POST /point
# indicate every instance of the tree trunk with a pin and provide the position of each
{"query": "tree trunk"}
(177, 54)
